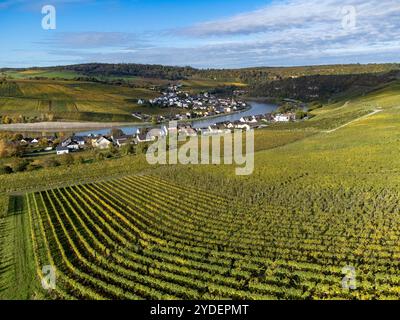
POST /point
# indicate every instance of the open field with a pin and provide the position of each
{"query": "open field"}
(26, 74)
(71, 100)
(83, 101)
(200, 85)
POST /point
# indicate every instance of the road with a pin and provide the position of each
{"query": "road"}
(60, 126)
(355, 120)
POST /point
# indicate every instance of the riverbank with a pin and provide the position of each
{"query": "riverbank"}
(253, 108)
(80, 126)
(64, 126)
(267, 100)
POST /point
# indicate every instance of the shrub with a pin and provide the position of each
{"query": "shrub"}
(5, 170)
(67, 159)
(20, 165)
(50, 163)
(33, 167)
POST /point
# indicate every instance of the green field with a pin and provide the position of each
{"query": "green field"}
(71, 75)
(71, 100)
(63, 98)
(324, 195)
(26, 74)
(200, 85)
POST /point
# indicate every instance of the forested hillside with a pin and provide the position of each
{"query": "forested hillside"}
(304, 83)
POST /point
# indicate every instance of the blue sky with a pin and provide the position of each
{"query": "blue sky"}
(206, 33)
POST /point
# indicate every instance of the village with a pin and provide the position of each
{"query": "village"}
(204, 105)
(195, 106)
(118, 139)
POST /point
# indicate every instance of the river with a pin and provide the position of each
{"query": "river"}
(256, 108)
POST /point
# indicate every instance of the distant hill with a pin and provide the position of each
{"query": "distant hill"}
(322, 87)
(247, 75)
(109, 92)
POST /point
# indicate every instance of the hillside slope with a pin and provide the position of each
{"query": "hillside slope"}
(71, 100)
(316, 203)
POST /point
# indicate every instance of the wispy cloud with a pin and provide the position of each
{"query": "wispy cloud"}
(286, 33)
(297, 13)
(89, 40)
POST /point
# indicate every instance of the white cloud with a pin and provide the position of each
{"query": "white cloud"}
(298, 13)
(292, 32)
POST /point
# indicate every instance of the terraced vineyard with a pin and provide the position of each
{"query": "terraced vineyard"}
(142, 237)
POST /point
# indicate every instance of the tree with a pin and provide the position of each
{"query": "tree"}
(116, 133)
(6, 119)
(154, 120)
(141, 148)
(128, 149)
(10, 149)
(5, 170)
(50, 163)
(33, 167)
(68, 159)
(21, 119)
(18, 137)
(113, 150)
(100, 156)
(50, 116)
(56, 142)
(19, 165)
(3, 148)
(300, 115)
(43, 142)
(81, 160)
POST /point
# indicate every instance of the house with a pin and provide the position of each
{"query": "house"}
(251, 119)
(62, 150)
(231, 125)
(218, 128)
(143, 137)
(123, 140)
(26, 141)
(102, 143)
(79, 140)
(281, 118)
(70, 143)
(73, 145)
(50, 139)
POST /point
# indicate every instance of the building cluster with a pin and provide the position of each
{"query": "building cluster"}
(204, 104)
(77, 143)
